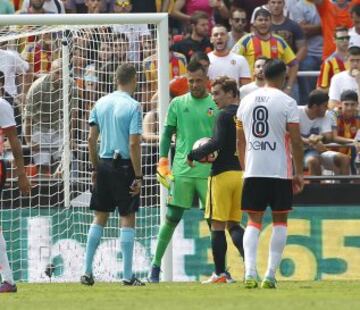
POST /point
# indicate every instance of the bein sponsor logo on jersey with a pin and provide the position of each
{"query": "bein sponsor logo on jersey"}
(262, 146)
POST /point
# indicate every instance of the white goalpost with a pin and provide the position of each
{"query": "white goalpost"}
(61, 65)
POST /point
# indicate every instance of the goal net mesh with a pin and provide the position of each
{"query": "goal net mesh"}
(50, 69)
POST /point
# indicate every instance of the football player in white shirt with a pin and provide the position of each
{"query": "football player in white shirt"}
(267, 118)
(8, 128)
(223, 62)
(259, 79)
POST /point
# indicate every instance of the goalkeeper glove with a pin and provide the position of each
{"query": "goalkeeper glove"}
(163, 172)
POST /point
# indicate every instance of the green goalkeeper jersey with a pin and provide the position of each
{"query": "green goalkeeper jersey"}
(194, 119)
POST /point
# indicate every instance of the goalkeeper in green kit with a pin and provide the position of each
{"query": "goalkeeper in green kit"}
(190, 117)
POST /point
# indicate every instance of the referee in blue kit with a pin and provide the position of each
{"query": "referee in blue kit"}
(116, 169)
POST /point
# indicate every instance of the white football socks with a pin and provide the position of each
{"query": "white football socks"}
(250, 242)
(276, 249)
(5, 271)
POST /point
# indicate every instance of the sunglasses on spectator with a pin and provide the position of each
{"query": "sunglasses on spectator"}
(345, 38)
(236, 20)
(123, 4)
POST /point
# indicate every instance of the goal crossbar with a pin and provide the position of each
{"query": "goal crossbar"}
(82, 19)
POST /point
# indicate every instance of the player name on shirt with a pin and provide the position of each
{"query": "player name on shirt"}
(264, 115)
(262, 99)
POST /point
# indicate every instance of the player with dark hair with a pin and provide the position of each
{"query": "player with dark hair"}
(201, 58)
(195, 107)
(259, 80)
(117, 176)
(225, 181)
(8, 129)
(267, 118)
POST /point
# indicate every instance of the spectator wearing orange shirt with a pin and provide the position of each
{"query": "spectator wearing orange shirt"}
(333, 14)
(337, 61)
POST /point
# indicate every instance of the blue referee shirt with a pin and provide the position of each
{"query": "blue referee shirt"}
(117, 116)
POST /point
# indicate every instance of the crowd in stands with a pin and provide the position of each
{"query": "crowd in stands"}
(229, 37)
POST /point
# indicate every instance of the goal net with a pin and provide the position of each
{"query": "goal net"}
(55, 71)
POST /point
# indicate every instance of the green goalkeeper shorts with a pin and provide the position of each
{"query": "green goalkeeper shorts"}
(183, 189)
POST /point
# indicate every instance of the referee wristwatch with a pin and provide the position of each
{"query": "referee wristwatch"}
(139, 177)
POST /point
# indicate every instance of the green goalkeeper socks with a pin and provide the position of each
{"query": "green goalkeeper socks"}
(164, 237)
(173, 217)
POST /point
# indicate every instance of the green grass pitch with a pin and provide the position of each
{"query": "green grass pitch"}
(327, 295)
